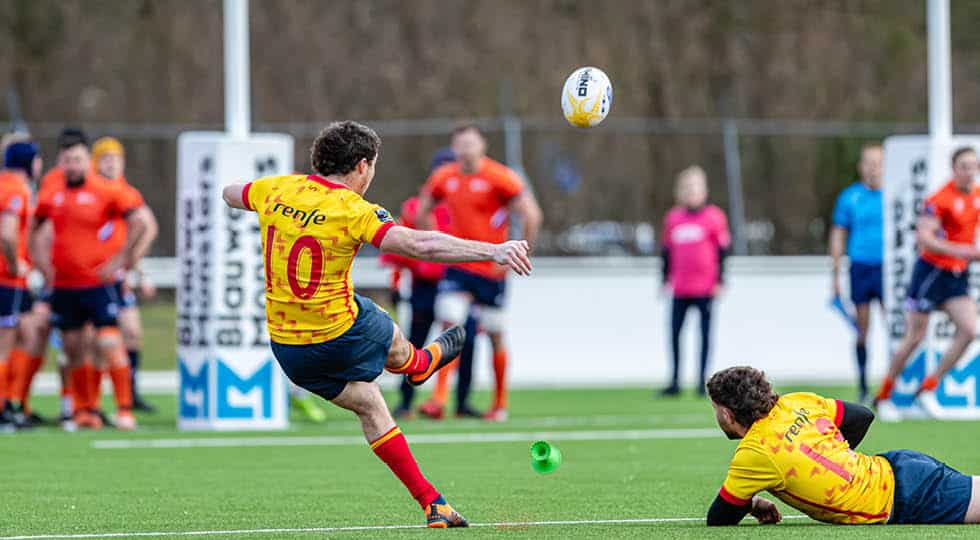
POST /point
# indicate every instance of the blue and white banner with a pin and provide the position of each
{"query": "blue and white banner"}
(908, 183)
(229, 379)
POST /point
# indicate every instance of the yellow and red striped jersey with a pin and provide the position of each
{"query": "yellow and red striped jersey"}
(311, 231)
(798, 454)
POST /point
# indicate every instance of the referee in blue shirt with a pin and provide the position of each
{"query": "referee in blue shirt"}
(858, 225)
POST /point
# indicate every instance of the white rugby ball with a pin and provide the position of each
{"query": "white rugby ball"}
(586, 97)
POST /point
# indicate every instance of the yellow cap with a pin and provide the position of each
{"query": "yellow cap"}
(106, 145)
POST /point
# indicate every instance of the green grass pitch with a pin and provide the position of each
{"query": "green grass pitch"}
(56, 483)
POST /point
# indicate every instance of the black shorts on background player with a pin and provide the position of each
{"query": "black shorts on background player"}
(13, 303)
(866, 283)
(931, 287)
(72, 308)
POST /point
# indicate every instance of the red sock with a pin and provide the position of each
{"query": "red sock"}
(80, 378)
(418, 361)
(929, 383)
(500, 379)
(122, 385)
(885, 392)
(392, 448)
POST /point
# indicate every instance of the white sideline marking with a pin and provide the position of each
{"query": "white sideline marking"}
(503, 524)
(445, 438)
(602, 420)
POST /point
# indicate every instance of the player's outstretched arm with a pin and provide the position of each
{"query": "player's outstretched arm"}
(439, 247)
(234, 196)
(855, 422)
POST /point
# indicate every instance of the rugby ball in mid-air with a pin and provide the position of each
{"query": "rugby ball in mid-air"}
(586, 97)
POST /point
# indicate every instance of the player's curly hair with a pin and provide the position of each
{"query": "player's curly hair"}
(341, 146)
(745, 391)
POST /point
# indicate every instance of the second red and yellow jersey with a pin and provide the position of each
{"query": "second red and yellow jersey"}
(311, 231)
(477, 206)
(798, 454)
(958, 213)
(15, 199)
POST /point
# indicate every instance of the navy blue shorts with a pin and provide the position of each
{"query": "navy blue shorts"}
(127, 298)
(357, 355)
(866, 283)
(13, 302)
(931, 287)
(73, 308)
(485, 291)
(927, 491)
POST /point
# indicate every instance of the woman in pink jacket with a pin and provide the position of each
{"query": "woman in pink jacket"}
(695, 243)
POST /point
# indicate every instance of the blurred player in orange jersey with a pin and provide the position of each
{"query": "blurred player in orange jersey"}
(21, 164)
(328, 339)
(480, 194)
(70, 246)
(109, 160)
(425, 277)
(946, 233)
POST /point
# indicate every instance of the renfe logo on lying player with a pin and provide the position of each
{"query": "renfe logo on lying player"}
(303, 217)
(801, 420)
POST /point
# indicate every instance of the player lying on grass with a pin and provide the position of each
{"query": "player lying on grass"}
(799, 447)
(328, 339)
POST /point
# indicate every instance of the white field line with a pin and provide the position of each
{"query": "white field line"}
(444, 438)
(236, 532)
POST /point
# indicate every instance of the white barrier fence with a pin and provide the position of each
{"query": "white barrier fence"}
(602, 321)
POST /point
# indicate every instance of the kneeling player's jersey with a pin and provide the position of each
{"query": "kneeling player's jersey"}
(798, 454)
(311, 230)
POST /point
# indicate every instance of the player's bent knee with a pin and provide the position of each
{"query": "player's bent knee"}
(452, 307)
(400, 349)
(492, 319)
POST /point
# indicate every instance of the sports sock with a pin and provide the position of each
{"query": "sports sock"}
(500, 379)
(122, 377)
(419, 360)
(441, 393)
(885, 392)
(929, 384)
(134, 366)
(122, 386)
(80, 378)
(392, 448)
(95, 387)
(861, 351)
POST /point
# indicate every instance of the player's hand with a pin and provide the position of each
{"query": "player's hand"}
(513, 254)
(48, 273)
(765, 511)
(23, 268)
(836, 286)
(718, 290)
(112, 270)
(971, 253)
